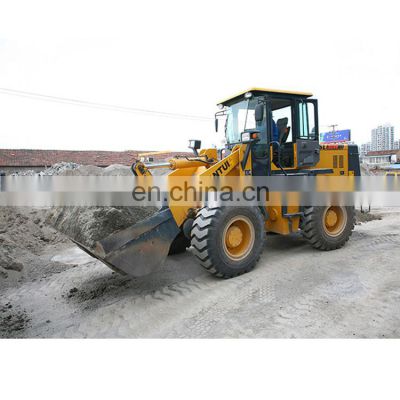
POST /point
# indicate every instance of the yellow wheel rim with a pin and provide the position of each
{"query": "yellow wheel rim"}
(334, 220)
(238, 238)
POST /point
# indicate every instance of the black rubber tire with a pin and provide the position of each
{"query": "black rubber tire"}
(207, 232)
(179, 245)
(313, 231)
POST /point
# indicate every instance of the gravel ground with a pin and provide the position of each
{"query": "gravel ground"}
(295, 291)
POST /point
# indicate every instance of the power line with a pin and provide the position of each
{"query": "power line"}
(104, 106)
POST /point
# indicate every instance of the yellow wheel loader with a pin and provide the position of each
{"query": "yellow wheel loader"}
(268, 133)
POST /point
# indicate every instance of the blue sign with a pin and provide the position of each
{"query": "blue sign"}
(337, 136)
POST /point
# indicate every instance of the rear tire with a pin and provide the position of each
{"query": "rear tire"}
(328, 228)
(228, 240)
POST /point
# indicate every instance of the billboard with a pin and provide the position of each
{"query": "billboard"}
(335, 136)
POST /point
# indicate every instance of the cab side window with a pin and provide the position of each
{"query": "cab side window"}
(307, 121)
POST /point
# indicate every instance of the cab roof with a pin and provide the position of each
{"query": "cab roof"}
(257, 90)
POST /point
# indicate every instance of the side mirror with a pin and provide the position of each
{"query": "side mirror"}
(216, 124)
(259, 112)
(195, 145)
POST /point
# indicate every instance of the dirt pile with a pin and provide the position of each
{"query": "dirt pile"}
(56, 169)
(59, 169)
(87, 225)
(23, 234)
(26, 232)
(72, 169)
(12, 322)
(366, 217)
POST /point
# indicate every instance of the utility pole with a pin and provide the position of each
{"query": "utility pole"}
(333, 126)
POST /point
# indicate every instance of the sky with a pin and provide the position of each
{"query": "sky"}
(183, 57)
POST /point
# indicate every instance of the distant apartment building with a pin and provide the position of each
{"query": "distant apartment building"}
(381, 148)
(382, 138)
(381, 158)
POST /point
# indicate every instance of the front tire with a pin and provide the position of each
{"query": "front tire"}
(328, 228)
(228, 240)
(179, 245)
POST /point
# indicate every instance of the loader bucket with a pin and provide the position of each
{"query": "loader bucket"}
(139, 249)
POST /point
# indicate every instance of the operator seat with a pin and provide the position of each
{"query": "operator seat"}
(283, 129)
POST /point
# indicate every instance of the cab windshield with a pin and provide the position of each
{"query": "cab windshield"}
(239, 117)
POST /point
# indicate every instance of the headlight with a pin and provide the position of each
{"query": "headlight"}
(245, 136)
(248, 95)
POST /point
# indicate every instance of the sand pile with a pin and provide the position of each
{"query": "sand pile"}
(73, 169)
(87, 225)
(26, 232)
(366, 217)
(56, 169)
(23, 235)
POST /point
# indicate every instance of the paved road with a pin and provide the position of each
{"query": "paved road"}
(295, 291)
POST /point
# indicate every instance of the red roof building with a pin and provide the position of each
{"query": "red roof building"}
(12, 160)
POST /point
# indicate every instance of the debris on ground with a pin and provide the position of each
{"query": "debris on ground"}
(362, 217)
(59, 169)
(56, 169)
(23, 235)
(73, 169)
(12, 322)
(26, 172)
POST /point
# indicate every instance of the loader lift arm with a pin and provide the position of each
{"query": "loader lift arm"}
(140, 168)
(141, 248)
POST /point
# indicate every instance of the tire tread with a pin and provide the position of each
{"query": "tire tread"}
(310, 231)
(204, 225)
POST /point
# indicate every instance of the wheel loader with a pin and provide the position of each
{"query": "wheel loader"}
(268, 133)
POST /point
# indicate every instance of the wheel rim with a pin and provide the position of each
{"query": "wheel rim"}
(334, 220)
(238, 238)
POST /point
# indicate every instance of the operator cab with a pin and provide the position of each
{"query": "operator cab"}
(286, 124)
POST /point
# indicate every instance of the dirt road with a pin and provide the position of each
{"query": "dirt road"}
(295, 291)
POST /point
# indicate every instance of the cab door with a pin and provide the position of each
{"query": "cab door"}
(307, 141)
